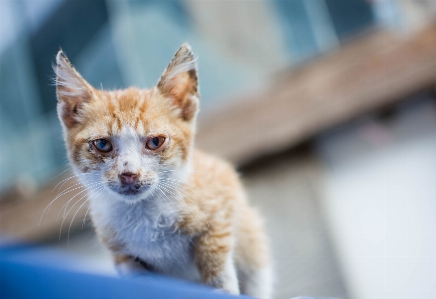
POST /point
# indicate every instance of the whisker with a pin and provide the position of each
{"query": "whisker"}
(74, 216)
(63, 181)
(178, 199)
(185, 184)
(72, 220)
(63, 220)
(87, 186)
(65, 206)
(187, 196)
(67, 203)
(180, 182)
(78, 184)
(69, 178)
(84, 217)
(57, 197)
(62, 172)
(174, 219)
(191, 170)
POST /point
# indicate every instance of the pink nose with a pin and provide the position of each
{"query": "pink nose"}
(129, 178)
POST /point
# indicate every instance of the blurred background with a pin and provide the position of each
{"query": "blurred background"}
(332, 104)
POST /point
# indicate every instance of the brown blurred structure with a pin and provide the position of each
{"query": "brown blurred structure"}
(369, 73)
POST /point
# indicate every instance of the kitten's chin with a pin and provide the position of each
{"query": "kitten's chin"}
(131, 196)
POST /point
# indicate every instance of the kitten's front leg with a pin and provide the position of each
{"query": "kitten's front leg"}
(213, 255)
(127, 265)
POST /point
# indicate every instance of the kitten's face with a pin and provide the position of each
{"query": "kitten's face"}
(125, 143)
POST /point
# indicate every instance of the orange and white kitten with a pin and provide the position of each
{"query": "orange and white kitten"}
(157, 203)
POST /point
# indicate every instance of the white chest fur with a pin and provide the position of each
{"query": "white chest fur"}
(146, 230)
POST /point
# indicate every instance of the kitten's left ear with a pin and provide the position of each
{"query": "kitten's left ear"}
(72, 91)
(179, 82)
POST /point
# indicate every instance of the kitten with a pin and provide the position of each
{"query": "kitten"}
(157, 203)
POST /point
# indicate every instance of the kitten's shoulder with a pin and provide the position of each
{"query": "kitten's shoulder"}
(213, 170)
(206, 162)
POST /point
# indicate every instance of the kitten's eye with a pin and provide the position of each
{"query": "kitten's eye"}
(153, 143)
(102, 145)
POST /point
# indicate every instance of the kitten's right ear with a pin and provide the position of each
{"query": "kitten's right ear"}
(71, 89)
(179, 82)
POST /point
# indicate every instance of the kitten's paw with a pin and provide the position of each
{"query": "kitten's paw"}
(232, 289)
(225, 291)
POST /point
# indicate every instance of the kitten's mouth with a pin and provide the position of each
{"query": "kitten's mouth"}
(130, 189)
(129, 192)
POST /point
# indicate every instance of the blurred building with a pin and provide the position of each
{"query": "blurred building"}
(346, 196)
(115, 44)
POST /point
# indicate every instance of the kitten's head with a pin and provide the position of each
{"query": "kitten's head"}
(125, 143)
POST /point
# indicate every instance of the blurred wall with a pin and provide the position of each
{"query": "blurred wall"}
(379, 192)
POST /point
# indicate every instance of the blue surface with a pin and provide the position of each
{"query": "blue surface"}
(35, 272)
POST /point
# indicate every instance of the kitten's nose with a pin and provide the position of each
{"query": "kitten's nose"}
(129, 178)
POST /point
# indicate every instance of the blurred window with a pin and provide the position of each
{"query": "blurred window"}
(311, 26)
(72, 27)
(350, 16)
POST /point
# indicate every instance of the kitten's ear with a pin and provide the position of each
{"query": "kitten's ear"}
(71, 89)
(179, 82)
